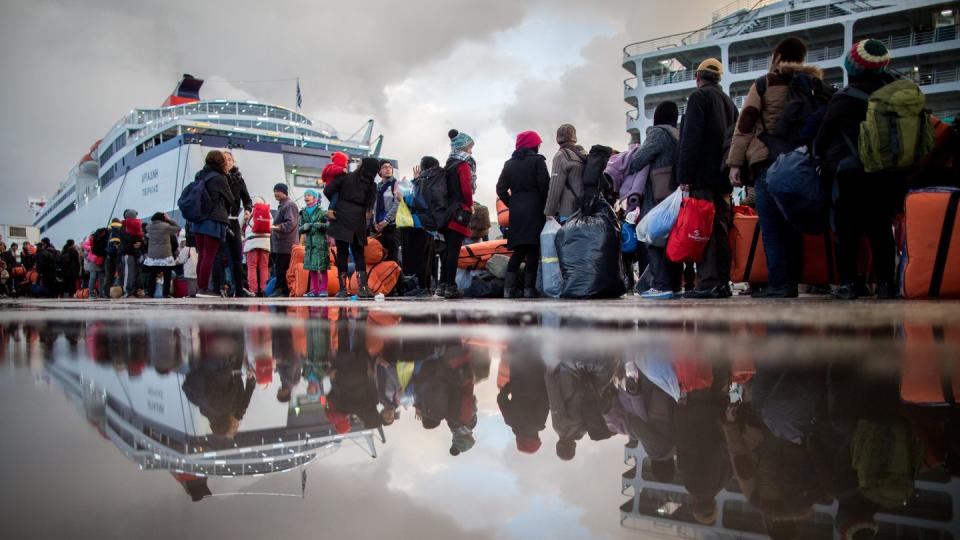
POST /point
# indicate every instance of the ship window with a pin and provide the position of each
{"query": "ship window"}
(274, 112)
(253, 109)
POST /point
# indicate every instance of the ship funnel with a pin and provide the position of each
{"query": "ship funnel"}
(187, 91)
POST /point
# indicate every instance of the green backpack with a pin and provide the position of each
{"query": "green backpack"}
(897, 130)
(887, 456)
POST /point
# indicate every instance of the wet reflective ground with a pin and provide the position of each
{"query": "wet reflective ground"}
(800, 419)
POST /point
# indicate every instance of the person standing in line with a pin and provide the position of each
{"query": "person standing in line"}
(355, 196)
(417, 242)
(313, 238)
(46, 265)
(113, 261)
(710, 114)
(659, 151)
(282, 237)
(70, 267)
(242, 203)
(385, 211)
(187, 259)
(94, 266)
(256, 246)
(212, 231)
(12, 260)
(523, 186)
(131, 245)
(566, 175)
(160, 259)
(461, 174)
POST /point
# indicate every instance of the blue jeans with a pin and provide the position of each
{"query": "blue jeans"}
(781, 241)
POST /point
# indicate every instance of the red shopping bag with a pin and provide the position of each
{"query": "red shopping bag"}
(690, 235)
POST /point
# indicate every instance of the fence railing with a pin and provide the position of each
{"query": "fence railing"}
(762, 62)
(630, 84)
(926, 77)
(913, 39)
(681, 75)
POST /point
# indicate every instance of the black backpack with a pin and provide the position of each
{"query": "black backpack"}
(800, 118)
(430, 199)
(594, 181)
(98, 242)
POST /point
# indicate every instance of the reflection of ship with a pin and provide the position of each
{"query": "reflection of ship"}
(150, 420)
(660, 510)
(150, 154)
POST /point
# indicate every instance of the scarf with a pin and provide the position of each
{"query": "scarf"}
(460, 155)
(309, 209)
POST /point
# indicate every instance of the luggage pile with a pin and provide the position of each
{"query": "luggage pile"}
(382, 275)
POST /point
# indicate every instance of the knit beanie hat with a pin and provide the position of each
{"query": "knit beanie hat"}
(528, 445)
(566, 134)
(340, 159)
(312, 192)
(129, 213)
(459, 140)
(528, 139)
(282, 188)
(866, 56)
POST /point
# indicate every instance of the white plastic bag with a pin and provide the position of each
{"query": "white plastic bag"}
(550, 280)
(662, 374)
(632, 216)
(655, 227)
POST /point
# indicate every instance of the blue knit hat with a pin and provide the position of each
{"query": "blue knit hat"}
(311, 192)
(459, 140)
(866, 56)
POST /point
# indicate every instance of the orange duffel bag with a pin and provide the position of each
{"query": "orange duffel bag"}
(930, 375)
(297, 255)
(373, 252)
(748, 261)
(382, 278)
(475, 256)
(932, 244)
(298, 279)
(503, 214)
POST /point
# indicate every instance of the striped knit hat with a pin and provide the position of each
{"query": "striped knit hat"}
(866, 56)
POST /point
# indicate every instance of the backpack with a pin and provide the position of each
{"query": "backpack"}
(195, 203)
(260, 219)
(886, 456)
(114, 240)
(595, 182)
(800, 119)
(430, 199)
(897, 131)
(480, 220)
(98, 242)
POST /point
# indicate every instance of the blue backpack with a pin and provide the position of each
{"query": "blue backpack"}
(794, 183)
(194, 202)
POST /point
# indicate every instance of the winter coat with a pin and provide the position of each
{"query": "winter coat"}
(188, 258)
(91, 262)
(313, 227)
(566, 181)
(459, 192)
(761, 113)
(577, 392)
(523, 187)
(218, 391)
(388, 201)
(701, 447)
(221, 197)
(356, 195)
(241, 197)
(131, 233)
(658, 150)
(629, 186)
(288, 221)
(71, 263)
(444, 391)
(709, 116)
(253, 240)
(523, 400)
(843, 117)
(158, 232)
(647, 417)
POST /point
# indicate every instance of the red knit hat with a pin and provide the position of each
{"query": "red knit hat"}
(339, 158)
(528, 445)
(528, 139)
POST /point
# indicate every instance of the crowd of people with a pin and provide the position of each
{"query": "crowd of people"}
(238, 244)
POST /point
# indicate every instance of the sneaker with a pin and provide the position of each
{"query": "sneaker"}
(846, 291)
(887, 291)
(279, 294)
(654, 294)
(311, 294)
(712, 293)
(441, 290)
(323, 294)
(452, 293)
(785, 291)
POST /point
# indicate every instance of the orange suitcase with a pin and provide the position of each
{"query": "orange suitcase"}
(475, 256)
(932, 253)
(749, 261)
(298, 279)
(930, 376)
(382, 278)
(503, 214)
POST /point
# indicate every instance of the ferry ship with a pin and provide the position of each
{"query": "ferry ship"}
(922, 36)
(150, 154)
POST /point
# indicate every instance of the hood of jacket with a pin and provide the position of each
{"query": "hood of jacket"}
(671, 129)
(369, 167)
(789, 69)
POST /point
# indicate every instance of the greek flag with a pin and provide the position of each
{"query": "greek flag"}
(299, 95)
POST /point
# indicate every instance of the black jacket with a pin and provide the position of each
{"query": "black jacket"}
(843, 117)
(220, 194)
(523, 186)
(356, 194)
(238, 186)
(523, 400)
(709, 117)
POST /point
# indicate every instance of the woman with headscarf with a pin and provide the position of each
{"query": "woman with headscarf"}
(355, 195)
(313, 237)
(461, 172)
(523, 187)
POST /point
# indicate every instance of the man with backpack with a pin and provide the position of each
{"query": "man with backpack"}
(427, 204)
(782, 112)
(112, 259)
(870, 187)
(710, 114)
(566, 175)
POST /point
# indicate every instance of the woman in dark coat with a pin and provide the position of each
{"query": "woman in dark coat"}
(523, 187)
(355, 195)
(211, 232)
(524, 403)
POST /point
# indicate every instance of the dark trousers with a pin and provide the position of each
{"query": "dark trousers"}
(111, 265)
(207, 249)
(417, 249)
(451, 255)
(152, 273)
(714, 269)
(782, 243)
(281, 263)
(235, 247)
(391, 243)
(866, 205)
(529, 254)
(666, 274)
(344, 249)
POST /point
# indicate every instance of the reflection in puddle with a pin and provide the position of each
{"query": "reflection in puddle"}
(737, 429)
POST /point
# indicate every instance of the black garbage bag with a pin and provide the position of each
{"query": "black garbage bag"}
(485, 285)
(588, 246)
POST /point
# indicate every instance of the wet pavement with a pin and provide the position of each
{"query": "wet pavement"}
(480, 419)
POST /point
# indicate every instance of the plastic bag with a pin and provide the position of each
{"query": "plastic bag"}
(588, 246)
(662, 374)
(404, 217)
(550, 281)
(690, 235)
(655, 227)
(628, 238)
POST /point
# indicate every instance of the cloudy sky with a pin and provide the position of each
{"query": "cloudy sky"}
(491, 68)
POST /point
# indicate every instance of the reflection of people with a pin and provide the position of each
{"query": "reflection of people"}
(579, 391)
(444, 391)
(215, 384)
(353, 389)
(645, 413)
(524, 404)
(389, 389)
